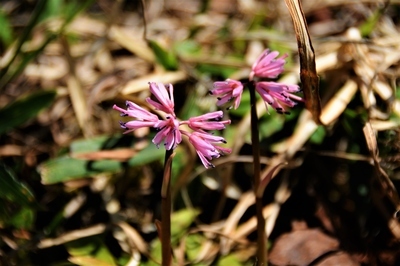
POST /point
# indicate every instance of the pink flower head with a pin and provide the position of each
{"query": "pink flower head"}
(267, 65)
(209, 121)
(227, 91)
(168, 128)
(204, 143)
(169, 133)
(277, 95)
(144, 117)
(164, 99)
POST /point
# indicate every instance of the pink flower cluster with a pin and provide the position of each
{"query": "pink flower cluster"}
(276, 94)
(170, 133)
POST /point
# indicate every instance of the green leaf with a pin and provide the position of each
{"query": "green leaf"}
(223, 71)
(6, 34)
(13, 69)
(24, 109)
(23, 219)
(64, 169)
(166, 58)
(39, 8)
(368, 26)
(13, 190)
(194, 244)
(230, 260)
(188, 47)
(89, 250)
(17, 201)
(94, 144)
(156, 250)
(318, 136)
(149, 154)
(180, 221)
(271, 124)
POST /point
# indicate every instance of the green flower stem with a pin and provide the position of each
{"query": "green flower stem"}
(261, 238)
(166, 210)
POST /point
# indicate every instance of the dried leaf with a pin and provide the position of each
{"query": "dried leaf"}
(308, 73)
(301, 247)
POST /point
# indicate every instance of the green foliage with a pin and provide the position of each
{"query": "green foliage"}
(222, 71)
(18, 202)
(318, 136)
(271, 124)
(370, 24)
(188, 47)
(90, 251)
(65, 168)
(149, 154)
(166, 58)
(231, 260)
(44, 9)
(6, 31)
(24, 109)
(180, 221)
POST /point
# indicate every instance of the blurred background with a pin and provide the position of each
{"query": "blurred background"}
(75, 191)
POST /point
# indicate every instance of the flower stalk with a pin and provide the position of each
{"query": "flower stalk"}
(277, 95)
(166, 205)
(261, 237)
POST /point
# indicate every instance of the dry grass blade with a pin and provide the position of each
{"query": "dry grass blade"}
(339, 102)
(72, 235)
(246, 200)
(387, 187)
(116, 154)
(86, 260)
(76, 93)
(308, 73)
(141, 83)
(136, 45)
(134, 237)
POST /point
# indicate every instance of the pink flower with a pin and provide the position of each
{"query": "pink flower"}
(267, 65)
(144, 117)
(168, 128)
(169, 133)
(205, 148)
(165, 100)
(202, 122)
(227, 91)
(278, 95)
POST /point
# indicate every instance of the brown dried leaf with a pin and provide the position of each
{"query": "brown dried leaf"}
(308, 73)
(301, 247)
